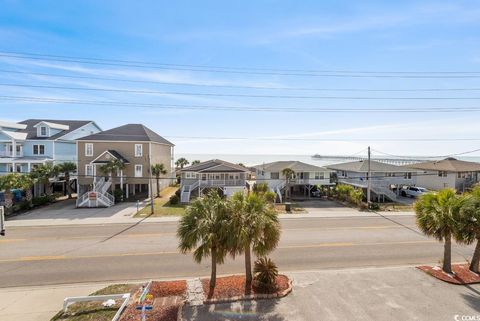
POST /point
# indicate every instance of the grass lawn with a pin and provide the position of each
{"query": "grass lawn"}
(95, 311)
(162, 206)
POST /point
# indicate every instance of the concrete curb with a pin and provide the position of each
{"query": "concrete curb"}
(254, 296)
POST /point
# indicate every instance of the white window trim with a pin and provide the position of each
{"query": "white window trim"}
(86, 149)
(38, 149)
(87, 166)
(190, 175)
(46, 131)
(141, 170)
(141, 150)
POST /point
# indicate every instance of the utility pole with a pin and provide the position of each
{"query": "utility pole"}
(2, 221)
(369, 181)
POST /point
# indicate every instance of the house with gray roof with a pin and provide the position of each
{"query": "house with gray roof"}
(305, 177)
(386, 179)
(227, 177)
(134, 145)
(446, 173)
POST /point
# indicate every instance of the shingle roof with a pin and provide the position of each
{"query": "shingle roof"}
(32, 131)
(296, 166)
(130, 133)
(215, 165)
(114, 153)
(447, 165)
(362, 167)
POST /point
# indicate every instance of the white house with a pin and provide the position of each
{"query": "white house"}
(224, 176)
(305, 177)
(446, 173)
(386, 179)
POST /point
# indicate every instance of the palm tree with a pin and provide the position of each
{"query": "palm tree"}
(7, 183)
(288, 173)
(468, 228)
(436, 217)
(67, 168)
(157, 170)
(44, 173)
(181, 162)
(26, 182)
(256, 228)
(111, 167)
(195, 162)
(205, 228)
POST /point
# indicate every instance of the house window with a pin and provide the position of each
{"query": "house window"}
(319, 175)
(138, 150)
(408, 176)
(89, 149)
(88, 170)
(442, 174)
(275, 175)
(38, 149)
(138, 170)
(43, 131)
(190, 175)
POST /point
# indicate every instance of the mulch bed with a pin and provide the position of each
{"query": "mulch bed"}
(234, 286)
(461, 274)
(160, 311)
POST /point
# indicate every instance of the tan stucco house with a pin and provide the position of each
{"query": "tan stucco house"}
(138, 147)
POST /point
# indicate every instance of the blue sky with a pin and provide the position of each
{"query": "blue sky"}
(306, 35)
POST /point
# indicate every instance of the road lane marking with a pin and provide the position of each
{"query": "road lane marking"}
(318, 245)
(12, 240)
(349, 227)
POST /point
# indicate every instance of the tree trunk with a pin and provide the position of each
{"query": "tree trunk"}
(113, 184)
(48, 190)
(248, 269)
(29, 195)
(476, 257)
(213, 276)
(447, 254)
(69, 188)
(8, 199)
(158, 187)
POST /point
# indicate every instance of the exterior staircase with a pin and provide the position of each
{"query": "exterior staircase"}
(277, 188)
(187, 191)
(98, 196)
(382, 190)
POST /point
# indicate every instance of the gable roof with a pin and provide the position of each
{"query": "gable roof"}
(11, 125)
(447, 165)
(31, 130)
(14, 135)
(52, 125)
(362, 167)
(129, 133)
(113, 153)
(296, 166)
(214, 166)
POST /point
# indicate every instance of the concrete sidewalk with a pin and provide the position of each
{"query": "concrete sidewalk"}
(39, 303)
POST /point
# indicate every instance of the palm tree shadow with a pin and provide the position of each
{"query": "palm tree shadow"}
(472, 299)
(260, 310)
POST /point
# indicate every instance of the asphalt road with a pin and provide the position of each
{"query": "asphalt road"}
(90, 253)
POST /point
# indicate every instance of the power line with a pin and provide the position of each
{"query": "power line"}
(234, 95)
(257, 71)
(434, 157)
(123, 104)
(239, 86)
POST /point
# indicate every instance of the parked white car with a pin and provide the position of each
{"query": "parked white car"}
(414, 191)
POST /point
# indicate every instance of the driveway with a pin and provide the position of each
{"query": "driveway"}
(66, 212)
(401, 293)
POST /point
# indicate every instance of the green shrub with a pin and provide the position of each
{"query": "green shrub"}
(174, 199)
(343, 191)
(356, 196)
(265, 275)
(118, 195)
(375, 206)
(41, 200)
(178, 192)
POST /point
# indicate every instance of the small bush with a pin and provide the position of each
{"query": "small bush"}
(42, 200)
(178, 192)
(174, 199)
(118, 194)
(375, 206)
(266, 272)
(356, 196)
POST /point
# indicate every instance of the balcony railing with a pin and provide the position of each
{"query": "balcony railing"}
(6, 153)
(384, 182)
(222, 182)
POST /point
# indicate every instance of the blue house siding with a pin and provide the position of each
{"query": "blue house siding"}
(65, 152)
(28, 148)
(83, 131)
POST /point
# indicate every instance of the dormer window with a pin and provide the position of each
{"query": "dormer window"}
(43, 131)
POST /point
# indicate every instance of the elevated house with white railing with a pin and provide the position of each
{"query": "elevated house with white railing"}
(134, 145)
(446, 173)
(32, 142)
(305, 177)
(226, 177)
(386, 179)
